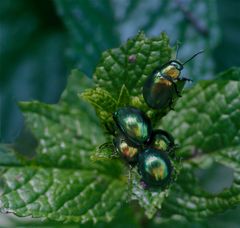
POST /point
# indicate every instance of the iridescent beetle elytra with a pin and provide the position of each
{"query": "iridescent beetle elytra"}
(160, 86)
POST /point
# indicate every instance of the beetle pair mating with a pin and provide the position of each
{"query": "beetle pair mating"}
(138, 144)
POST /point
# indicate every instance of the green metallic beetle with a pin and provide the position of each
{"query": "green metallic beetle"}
(162, 140)
(154, 167)
(160, 87)
(126, 150)
(134, 124)
(139, 145)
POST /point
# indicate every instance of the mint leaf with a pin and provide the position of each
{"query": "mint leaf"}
(121, 73)
(124, 97)
(73, 177)
(206, 125)
(119, 78)
(206, 118)
(61, 195)
(125, 218)
(119, 21)
(151, 201)
(131, 63)
(66, 142)
(105, 152)
(102, 101)
(63, 129)
(6, 157)
(190, 201)
(60, 182)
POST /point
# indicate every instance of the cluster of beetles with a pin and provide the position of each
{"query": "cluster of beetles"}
(136, 141)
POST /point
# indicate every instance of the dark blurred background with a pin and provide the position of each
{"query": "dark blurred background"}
(41, 41)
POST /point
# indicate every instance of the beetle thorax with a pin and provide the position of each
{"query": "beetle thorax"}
(171, 71)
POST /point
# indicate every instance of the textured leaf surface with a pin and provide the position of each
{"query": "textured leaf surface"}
(131, 63)
(119, 78)
(151, 201)
(62, 130)
(121, 73)
(63, 158)
(206, 118)
(124, 97)
(62, 195)
(39, 29)
(190, 201)
(206, 125)
(105, 152)
(125, 218)
(60, 182)
(102, 101)
(7, 157)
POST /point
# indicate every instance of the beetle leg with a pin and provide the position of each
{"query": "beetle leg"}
(176, 89)
(115, 154)
(171, 152)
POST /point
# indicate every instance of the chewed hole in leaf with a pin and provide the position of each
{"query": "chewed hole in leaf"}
(215, 178)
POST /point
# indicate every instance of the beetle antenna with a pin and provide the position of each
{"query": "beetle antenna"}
(193, 57)
(177, 49)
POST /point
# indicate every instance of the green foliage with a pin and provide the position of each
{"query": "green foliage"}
(60, 182)
(131, 63)
(126, 218)
(151, 201)
(80, 32)
(102, 101)
(119, 77)
(72, 178)
(124, 97)
(206, 118)
(206, 125)
(123, 71)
